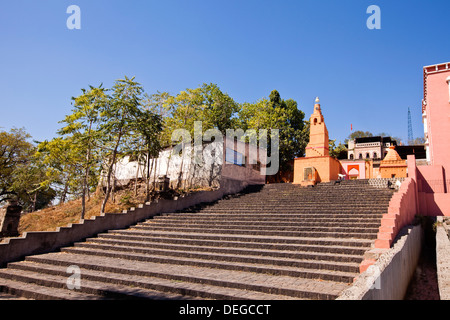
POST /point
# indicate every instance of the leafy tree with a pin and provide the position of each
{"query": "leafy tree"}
(32, 192)
(118, 120)
(339, 152)
(219, 109)
(145, 143)
(418, 141)
(63, 159)
(22, 174)
(15, 154)
(358, 134)
(207, 104)
(82, 125)
(276, 113)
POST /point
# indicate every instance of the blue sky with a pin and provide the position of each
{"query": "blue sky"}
(302, 48)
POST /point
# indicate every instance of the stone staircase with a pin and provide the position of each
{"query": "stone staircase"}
(272, 242)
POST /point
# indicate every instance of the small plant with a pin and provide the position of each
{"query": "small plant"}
(436, 225)
(126, 199)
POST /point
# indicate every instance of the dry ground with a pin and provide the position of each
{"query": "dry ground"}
(70, 212)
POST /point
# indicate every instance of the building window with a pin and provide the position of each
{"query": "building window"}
(235, 157)
(367, 155)
(375, 155)
(351, 157)
(315, 121)
(360, 156)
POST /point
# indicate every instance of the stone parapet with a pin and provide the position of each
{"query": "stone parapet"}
(389, 275)
(384, 182)
(14, 249)
(443, 258)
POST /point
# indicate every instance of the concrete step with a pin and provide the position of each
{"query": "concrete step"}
(264, 215)
(267, 243)
(186, 278)
(251, 238)
(263, 220)
(162, 242)
(316, 211)
(324, 232)
(27, 289)
(342, 272)
(260, 252)
(55, 284)
(329, 261)
(296, 202)
(273, 224)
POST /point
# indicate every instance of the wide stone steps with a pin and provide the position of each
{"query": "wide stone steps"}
(264, 215)
(231, 238)
(256, 224)
(274, 209)
(184, 244)
(301, 261)
(181, 250)
(337, 272)
(90, 290)
(304, 204)
(297, 207)
(323, 232)
(275, 242)
(260, 218)
(196, 282)
(24, 287)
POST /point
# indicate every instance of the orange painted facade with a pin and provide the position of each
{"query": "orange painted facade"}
(318, 145)
(392, 165)
(317, 166)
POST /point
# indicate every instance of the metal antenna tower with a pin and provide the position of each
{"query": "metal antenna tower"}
(410, 130)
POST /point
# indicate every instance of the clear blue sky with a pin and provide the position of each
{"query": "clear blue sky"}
(302, 48)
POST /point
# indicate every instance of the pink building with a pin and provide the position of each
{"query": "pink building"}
(426, 190)
(436, 114)
(433, 181)
(356, 169)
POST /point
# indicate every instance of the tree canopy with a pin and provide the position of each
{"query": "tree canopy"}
(105, 125)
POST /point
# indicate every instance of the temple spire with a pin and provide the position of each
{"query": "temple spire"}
(318, 145)
(317, 106)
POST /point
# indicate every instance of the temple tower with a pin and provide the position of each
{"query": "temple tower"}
(317, 165)
(318, 145)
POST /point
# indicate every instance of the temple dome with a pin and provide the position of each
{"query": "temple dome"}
(392, 155)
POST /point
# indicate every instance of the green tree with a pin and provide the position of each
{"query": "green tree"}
(207, 104)
(145, 142)
(22, 174)
(219, 109)
(118, 120)
(418, 141)
(82, 125)
(63, 161)
(15, 154)
(29, 183)
(339, 152)
(276, 113)
(358, 134)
